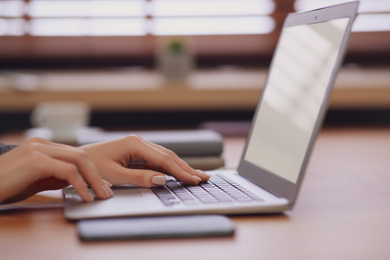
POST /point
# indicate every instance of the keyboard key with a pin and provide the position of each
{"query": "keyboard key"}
(165, 196)
(217, 190)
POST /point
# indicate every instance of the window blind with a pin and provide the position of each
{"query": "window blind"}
(135, 17)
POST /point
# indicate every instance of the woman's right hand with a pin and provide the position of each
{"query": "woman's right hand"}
(39, 165)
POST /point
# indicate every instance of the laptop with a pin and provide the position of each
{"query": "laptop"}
(287, 120)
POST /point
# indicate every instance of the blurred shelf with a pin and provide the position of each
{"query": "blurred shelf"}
(138, 89)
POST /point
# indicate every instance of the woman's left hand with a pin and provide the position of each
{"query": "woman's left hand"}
(114, 158)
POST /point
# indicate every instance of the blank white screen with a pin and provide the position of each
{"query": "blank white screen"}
(296, 87)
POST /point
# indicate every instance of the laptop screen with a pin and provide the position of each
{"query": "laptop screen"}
(293, 96)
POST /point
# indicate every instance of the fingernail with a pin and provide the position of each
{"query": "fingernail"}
(198, 179)
(90, 197)
(159, 180)
(202, 172)
(108, 190)
(106, 182)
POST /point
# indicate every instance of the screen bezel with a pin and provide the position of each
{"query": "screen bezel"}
(266, 179)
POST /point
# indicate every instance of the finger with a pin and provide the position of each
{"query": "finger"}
(157, 169)
(85, 167)
(161, 159)
(50, 167)
(182, 164)
(139, 177)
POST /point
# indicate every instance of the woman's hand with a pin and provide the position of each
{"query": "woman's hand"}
(114, 160)
(39, 165)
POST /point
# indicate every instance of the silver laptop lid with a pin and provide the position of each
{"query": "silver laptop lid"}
(294, 100)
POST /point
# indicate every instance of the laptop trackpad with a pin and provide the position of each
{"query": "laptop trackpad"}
(125, 191)
(126, 201)
(120, 191)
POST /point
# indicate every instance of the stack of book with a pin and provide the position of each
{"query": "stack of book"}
(201, 148)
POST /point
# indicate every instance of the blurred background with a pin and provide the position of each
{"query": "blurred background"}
(112, 54)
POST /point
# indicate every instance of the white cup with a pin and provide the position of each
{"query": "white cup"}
(63, 119)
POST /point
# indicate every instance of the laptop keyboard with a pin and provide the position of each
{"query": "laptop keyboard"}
(218, 189)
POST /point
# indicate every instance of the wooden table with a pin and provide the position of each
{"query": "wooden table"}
(343, 212)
